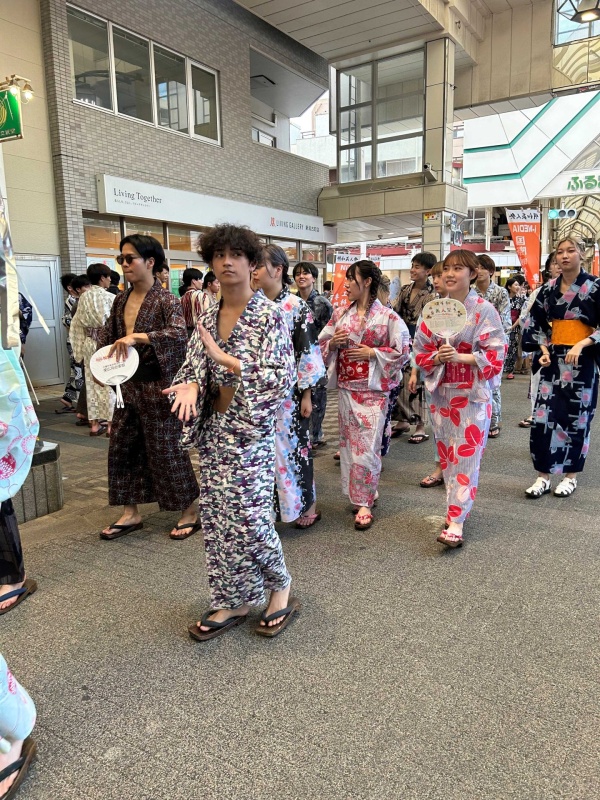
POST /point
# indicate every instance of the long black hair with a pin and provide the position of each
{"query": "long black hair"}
(278, 258)
(366, 269)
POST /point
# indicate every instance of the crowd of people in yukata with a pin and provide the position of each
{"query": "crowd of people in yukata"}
(239, 370)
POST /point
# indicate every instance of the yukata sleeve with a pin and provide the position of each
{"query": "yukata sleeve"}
(309, 361)
(385, 370)
(536, 327)
(489, 343)
(267, 380)
(172, 335)
(504, 309)
(323, 312)
(326, 336)
(108, 333)
(77, 331)
(425, 348)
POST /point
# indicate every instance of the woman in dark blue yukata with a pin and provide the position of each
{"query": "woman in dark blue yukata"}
(563, 324)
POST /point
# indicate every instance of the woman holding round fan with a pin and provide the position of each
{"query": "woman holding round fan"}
(460, 372)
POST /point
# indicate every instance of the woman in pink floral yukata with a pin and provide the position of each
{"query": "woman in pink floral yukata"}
(460, 377)
(364, 348)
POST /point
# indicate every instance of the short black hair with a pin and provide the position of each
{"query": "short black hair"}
(115, 278)
(209, 278)
(427, 260)
(487, 263)
(234, 237)
(79, 281)
(156, 270)
(96, 272)
(305, 266)
(147, 247)
(67, 280)
(520, 278)
(328, 286)
(190, 274)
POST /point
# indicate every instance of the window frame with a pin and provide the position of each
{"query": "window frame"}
(189, 62)
(373, 103)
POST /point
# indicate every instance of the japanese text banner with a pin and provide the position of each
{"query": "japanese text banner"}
(525, 229)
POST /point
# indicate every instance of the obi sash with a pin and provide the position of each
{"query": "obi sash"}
(93, 333)
(570, 331)
(349, 370)
(458, 373)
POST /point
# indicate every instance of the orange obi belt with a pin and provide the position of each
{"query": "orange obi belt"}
(570, 331)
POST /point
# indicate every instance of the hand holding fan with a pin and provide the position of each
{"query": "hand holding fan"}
(445, 317)
(108, 370)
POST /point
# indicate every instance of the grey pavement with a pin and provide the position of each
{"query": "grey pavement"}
(411, 672)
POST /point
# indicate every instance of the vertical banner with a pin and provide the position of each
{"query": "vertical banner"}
(596, 263)
(525, 229)
(339, 298)
(11, 124)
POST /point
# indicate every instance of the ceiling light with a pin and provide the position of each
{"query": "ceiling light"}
(587, 11)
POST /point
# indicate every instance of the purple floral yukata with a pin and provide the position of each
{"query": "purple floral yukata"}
(295, 489)
(237, 452)
(567, 393)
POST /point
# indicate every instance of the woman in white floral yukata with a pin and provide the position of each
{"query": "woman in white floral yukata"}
(460, 377)
(295, 493)
(365, 348)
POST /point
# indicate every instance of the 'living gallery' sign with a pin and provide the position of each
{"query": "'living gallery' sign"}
(136, 199)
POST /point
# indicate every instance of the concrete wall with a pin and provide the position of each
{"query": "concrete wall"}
(87, 141)
(514, 59)
(28, 161)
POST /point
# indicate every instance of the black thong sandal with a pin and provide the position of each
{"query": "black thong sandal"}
(418, 438)
(195, 527)
(29, 587)
(65, 410)
(217, 628)
(287, 613)
(494, 433)
(120, 530)
(20, 766)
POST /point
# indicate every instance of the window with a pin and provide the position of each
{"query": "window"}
(381, 110)
(204, 93)
(90, 63)
(473, 227)
(132, 73)
(183, 238)
(291, 248)
(146, 228)
(152, 84)
(263, 138)
(312, 252)
(102, 232)
(565, 30)
(171, 91)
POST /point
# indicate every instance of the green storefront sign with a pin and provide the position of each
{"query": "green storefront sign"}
(11, 123)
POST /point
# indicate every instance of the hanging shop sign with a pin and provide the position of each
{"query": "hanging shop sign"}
(130, 198)
(339, 298)
(525, 228)
(11, 121)
(570, 183)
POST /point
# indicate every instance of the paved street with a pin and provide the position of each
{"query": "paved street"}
(411, 673)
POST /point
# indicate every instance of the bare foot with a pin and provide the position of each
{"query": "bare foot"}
(127, 518)
(277, 602)
(223, 614)
(181, 533)
(6, 759)
(5, 588)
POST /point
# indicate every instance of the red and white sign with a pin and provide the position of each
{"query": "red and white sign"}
(525, 226)
(339, 299)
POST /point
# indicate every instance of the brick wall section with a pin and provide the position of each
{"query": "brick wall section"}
(87, 141)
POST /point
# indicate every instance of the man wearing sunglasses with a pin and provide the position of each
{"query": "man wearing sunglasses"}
(145, 461)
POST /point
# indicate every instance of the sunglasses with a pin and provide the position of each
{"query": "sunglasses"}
(126, 259)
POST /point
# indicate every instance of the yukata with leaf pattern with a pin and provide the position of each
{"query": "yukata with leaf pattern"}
(237, 451)
(461, 394)
(567, 393)
(364, 388)
(294, 483)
